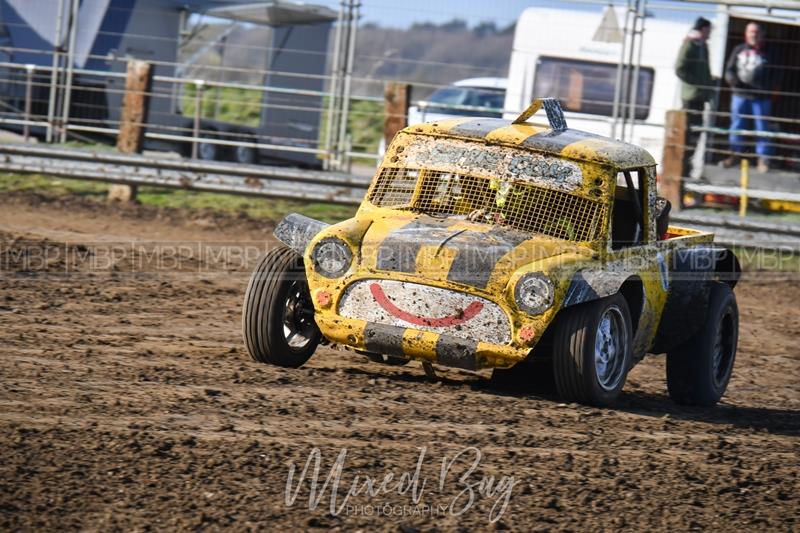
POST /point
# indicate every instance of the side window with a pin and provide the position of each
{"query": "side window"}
(627, 221)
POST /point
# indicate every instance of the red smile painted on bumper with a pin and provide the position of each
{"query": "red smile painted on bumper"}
(453, 320)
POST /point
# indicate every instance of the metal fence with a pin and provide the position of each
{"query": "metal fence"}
(134, 169)
(219, 104)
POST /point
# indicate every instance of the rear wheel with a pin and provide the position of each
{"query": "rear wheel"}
(246, 155)
(592, 351)
(278, 317)
(698, 371)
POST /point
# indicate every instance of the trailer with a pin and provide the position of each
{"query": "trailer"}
(93, 51)
(583, 57)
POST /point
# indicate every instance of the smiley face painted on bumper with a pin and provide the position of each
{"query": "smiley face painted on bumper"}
(426, 308)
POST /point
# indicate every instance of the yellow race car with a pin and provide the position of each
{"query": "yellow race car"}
(485, 243)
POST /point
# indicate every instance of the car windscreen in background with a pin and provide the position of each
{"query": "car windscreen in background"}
(588, 86)
(450, 98)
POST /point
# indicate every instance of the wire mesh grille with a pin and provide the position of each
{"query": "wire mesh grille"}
(519, 205)
(394, 187)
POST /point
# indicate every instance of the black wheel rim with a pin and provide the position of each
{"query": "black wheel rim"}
(299, 328)
(724, 348)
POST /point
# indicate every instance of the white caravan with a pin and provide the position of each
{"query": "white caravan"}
(573, 55)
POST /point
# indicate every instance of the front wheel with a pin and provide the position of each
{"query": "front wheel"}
(592, 351)
(278, 317)
(698, 371)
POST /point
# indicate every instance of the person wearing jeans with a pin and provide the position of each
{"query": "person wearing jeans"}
(697, 85)
(759, 109)
(751, 73)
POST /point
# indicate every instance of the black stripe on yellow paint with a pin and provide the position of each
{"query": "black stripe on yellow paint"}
(478, 128)
(398, 251)
(384, 339)
(455, 352)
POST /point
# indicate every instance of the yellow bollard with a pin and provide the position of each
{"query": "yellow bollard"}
(744, 182)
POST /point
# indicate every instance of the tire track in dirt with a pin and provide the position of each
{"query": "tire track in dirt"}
(128, 402)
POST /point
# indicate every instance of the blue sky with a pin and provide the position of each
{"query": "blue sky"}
(403, 13)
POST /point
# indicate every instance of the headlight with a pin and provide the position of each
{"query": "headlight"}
(331, 257)
(534, 293)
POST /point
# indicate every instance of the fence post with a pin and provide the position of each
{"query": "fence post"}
(199, 87)
(396, 96)
(26, 129)
(672, 166)
(132, 121)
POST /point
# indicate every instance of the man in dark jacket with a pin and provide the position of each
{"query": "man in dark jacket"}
(751, 73)
(697, 87)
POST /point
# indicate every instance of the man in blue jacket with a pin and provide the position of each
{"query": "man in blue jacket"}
(750, 71)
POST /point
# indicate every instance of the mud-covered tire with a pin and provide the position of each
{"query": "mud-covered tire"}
(698, 371)
(277, 300)
(580, 348)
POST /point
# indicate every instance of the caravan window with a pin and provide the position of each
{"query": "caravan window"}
(588, 86)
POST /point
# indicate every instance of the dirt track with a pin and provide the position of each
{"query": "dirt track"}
(127, 401)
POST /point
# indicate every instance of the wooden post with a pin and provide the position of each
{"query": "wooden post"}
(132, 121)
(397, 96)
(672, 166)
(744, 183)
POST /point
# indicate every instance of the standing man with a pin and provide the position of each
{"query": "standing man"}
(697, 87)
(750, 72)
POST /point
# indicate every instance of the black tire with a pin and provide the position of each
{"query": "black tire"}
(698, 371)
(208, 151)
(276, 301)
(246, 155)
(578, 368)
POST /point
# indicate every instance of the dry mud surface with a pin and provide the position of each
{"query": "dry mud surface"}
(127, 402)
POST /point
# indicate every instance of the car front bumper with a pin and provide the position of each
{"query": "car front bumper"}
(412, 343)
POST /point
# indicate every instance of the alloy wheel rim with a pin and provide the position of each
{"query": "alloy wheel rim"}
(208, 151)
(610, 349)
(245, 154)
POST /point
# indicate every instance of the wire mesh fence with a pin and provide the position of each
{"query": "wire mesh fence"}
(305, 87)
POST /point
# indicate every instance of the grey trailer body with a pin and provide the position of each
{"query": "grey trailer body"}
(110, 32)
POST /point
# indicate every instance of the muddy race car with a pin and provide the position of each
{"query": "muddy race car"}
(484, 243)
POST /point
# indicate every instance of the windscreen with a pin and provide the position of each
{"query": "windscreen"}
(490, 184)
